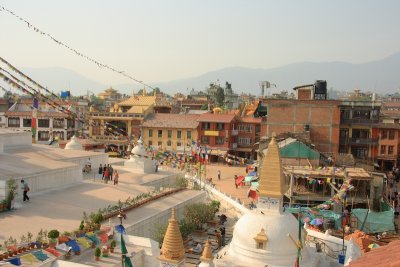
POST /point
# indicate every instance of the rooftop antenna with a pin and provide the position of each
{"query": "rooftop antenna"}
(264, 85)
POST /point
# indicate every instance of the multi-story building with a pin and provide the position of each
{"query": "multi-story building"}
(249, 133)
(388, 152)
(172, 132)
(124, 118)
(359, 122)
(319, 118)
(51, 123)
(218, 132)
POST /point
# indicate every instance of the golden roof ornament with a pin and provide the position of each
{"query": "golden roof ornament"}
(172, 248)
(207, 253)
(144, 91)
(261, 236)
(271, 175)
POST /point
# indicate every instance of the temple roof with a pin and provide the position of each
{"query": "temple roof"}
(207, 253)
(271, 175)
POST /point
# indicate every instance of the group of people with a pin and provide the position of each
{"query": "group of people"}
(107, 173)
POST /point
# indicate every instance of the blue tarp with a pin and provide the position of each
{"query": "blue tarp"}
(40, 255)
(325, 214)
(253, 174)
(74, 245)
(15, 261)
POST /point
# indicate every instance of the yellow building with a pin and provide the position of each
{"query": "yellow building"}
(125, 117)
(173, 132)
(110, 94)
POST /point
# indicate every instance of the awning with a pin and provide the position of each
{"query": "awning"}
(244, 149)
(218, 152)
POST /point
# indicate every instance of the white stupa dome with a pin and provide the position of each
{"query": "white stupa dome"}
(74, 144)
(279, 250)
(139, 150)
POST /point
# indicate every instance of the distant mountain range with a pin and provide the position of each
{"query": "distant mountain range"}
(381, 76)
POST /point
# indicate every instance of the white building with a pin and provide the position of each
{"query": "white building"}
(51, 123)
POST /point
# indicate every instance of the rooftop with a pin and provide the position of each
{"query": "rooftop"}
(164, 120)
(209, 117)
(385, 256)
(139, 100)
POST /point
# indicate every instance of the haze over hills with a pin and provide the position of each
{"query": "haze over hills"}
(379, 76)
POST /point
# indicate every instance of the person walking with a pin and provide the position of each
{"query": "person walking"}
(235, 177)
(219, 175)
(104, 170)
(106, 175)
(101, 171)
(217, 237)
(25, 188)
(222, 230)
(110, 171)
(116, 176)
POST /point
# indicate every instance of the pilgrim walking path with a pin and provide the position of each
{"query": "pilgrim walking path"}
(62, 209)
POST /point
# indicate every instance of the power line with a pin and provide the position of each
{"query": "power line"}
(76, 52)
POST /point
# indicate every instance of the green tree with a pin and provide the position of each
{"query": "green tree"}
(220, 96)
(198, 214)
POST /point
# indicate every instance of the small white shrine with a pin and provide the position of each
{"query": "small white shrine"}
(139, 160)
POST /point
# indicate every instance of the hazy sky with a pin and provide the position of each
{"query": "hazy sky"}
(166, 40)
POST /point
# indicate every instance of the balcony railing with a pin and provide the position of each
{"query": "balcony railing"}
(233, 146)
(363, 141)
(93, 115)
(360, 121)
(234, 132)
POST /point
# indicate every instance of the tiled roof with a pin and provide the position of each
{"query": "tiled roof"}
(385, 256)
(250, 119)
(178, 121)
(137, 109)
(139, 100)
(39, 114)
(209, 117)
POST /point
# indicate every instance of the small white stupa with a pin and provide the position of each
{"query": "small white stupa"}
(139, 161)
(73, 144)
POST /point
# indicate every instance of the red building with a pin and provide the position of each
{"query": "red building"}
(218, 132)
(249, 133)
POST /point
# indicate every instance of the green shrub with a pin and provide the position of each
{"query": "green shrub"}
(97, 252)
(159, 234)
(113, 244)
(186, 228)
(198, 214)
(53, 234)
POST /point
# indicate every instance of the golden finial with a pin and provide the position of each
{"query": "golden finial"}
(144, 91)
(207, 253)
(271, 176)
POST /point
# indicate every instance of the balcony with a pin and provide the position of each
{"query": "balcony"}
(359, 121)
(387, 156)
(233, 146)
(234, 132)
(363, 141)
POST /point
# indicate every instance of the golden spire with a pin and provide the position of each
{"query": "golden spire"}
(271, 176)
(207, 253)
(172, 248)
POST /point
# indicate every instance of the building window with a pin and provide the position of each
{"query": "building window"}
(44, 123)
(391, 134)
(219, 140)
(205, 140)
(13, 122)
(189, 134)
(383, 150)
(244, 141)
(390, 150)
(384, 134)
(159, 133)
(169, 143)
(245, 128)
(70, 124)
(43, 136)
(150, 132)
(150, 143)
(58, 123)
(169, 133)
(27, 122)
(206, 126)
(220, 126)
(159, 144)
(178, 144)
(179, 134)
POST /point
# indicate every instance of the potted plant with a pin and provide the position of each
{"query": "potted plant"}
(39, 239)
(45, 241)
(97, 253)
(96, 219)
(29, 239)
(82, 228)
(113, 244)
(23, 244)
(5, 255)
(64, 237)
(53, 235)
(11, 193)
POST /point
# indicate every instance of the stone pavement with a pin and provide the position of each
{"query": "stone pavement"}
(62, 209)
(227, 184)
